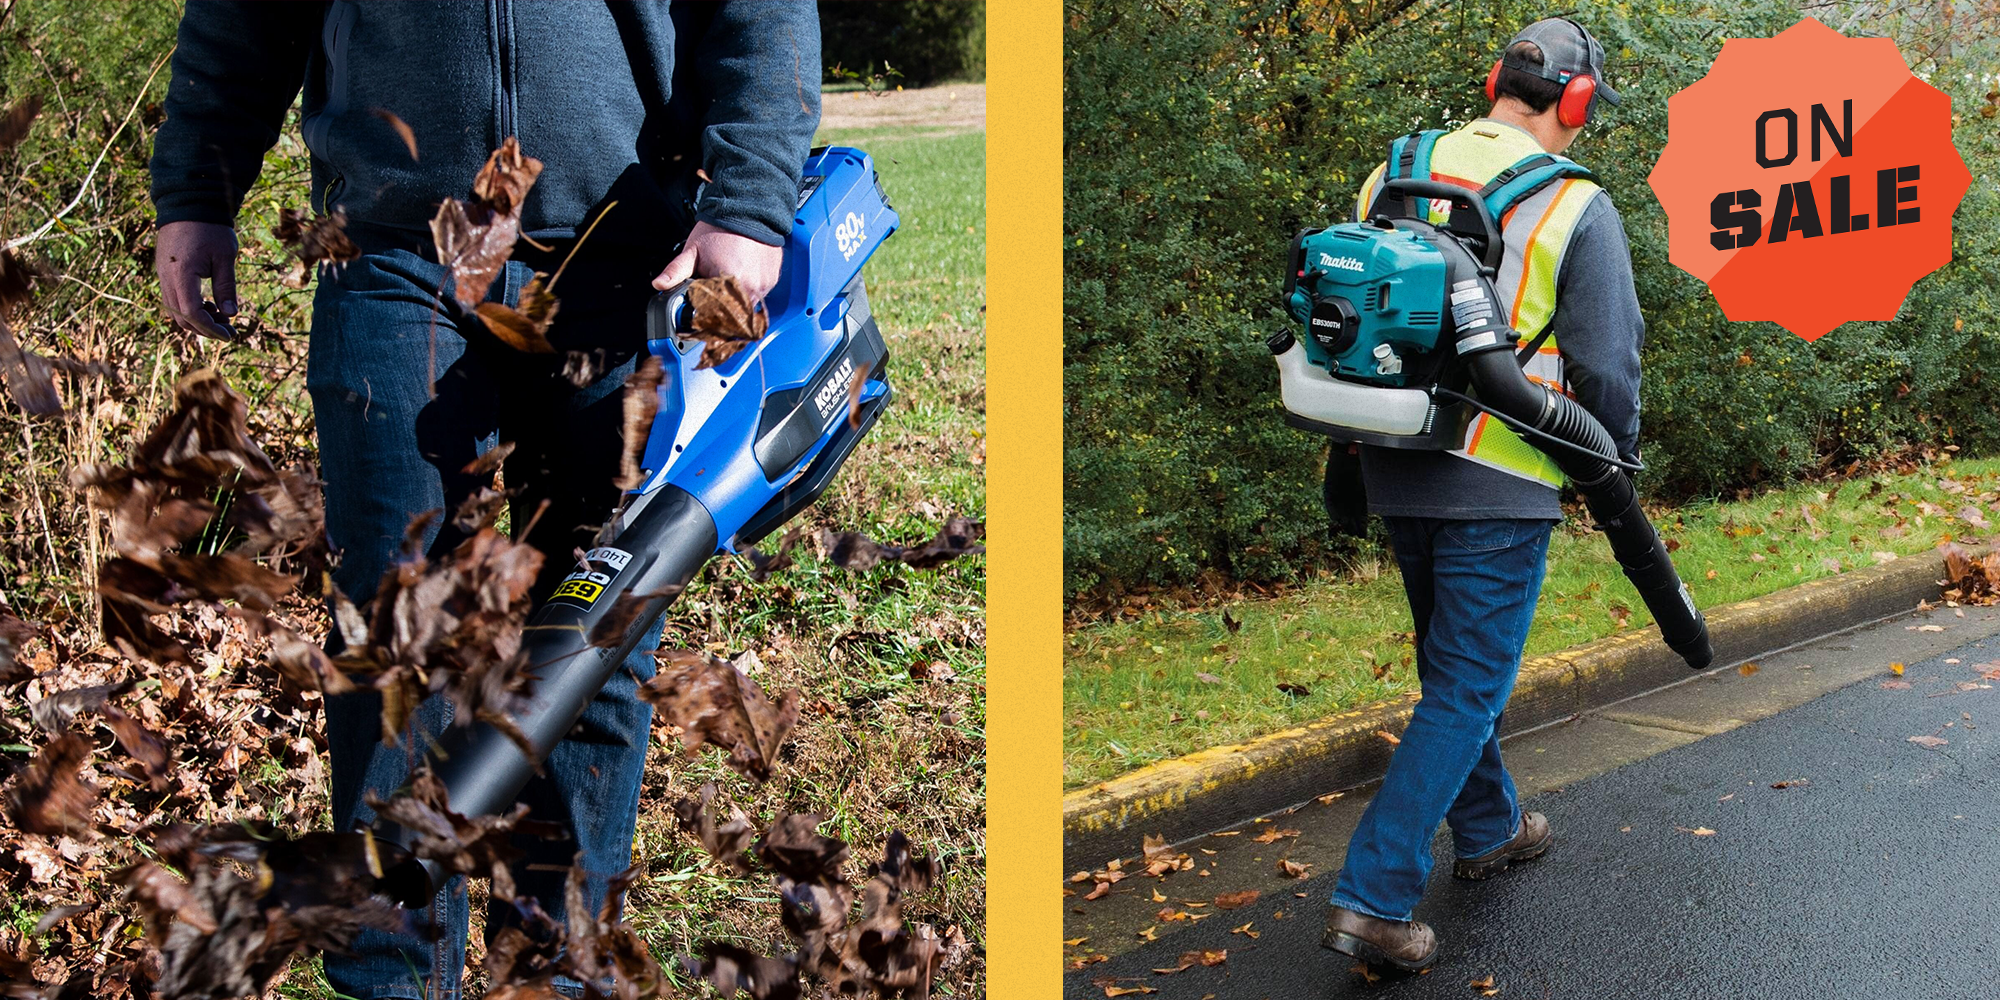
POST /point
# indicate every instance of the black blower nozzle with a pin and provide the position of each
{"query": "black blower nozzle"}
(1486, 346)
(659, 549)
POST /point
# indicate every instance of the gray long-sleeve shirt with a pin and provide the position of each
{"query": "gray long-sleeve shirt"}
(618, 100)
(1599, 330)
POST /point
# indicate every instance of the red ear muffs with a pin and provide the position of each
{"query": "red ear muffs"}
(1493, 81)
(1573, 110)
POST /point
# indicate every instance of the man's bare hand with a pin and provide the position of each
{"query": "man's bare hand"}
(184, 254)
(711, 253)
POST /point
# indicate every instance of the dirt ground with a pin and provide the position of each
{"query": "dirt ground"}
(951, 105)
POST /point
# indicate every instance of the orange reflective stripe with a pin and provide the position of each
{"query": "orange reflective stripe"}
(1528, 253)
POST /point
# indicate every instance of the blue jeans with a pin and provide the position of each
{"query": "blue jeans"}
(1472, 587)
(384, 327)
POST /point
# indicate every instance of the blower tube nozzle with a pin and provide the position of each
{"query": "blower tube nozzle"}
(1486, 346)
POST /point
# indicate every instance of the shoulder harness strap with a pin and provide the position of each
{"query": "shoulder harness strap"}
(1519, 182)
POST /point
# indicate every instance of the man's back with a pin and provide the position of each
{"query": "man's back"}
(1566, 260)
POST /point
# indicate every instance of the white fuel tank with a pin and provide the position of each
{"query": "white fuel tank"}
(1315, 395)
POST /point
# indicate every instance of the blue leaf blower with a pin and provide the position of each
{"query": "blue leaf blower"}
(734, 452)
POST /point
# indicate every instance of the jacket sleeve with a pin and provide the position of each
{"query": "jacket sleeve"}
(236, 69)
(760, 64)
(1598, 326)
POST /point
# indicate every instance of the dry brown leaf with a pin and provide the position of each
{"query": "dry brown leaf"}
(28, 377)
(1236, 900)
(722, 317)
(475, 238)
(14, 126)
(321, 241)
(714, 702)
(48, 796)
(1205, 957)
(852, 551)
(855, 386)
(642, 402)
(403, 130)
(524, 329)
(1273, 835)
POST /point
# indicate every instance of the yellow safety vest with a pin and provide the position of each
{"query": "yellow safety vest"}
(1537, 231)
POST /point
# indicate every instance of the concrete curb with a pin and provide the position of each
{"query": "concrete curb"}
(1208, 790)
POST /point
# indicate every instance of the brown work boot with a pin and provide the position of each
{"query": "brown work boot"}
(1531, 841)
(1405, 944)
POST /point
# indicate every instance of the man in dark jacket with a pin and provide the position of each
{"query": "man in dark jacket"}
(622, 102)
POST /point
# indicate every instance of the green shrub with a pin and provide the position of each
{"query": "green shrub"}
(1198, 138)
(927, 41)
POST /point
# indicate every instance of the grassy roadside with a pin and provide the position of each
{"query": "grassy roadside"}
(1175, 681)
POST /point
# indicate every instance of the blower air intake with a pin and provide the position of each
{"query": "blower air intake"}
(1400, 320)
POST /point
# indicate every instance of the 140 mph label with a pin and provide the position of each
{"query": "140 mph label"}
(583, 587)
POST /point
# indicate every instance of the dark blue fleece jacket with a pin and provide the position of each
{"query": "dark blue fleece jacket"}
(619, 100)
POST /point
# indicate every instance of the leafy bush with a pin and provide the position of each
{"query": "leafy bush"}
(1198, 138)
(927, 41)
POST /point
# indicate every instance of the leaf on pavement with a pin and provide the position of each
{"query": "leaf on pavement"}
(1236, 900)
(1273, 834)
(1190, 959)
(1928, 741)
(1699, 831)
(1971, 580)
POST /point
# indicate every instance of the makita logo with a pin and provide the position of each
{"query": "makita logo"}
(1343, 263)
(833, 391)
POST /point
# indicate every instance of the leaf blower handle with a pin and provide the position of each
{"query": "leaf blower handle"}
(668, 314)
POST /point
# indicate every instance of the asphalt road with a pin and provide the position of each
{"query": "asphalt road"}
(1875, 877)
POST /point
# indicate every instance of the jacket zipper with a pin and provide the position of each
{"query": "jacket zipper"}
(504, 28)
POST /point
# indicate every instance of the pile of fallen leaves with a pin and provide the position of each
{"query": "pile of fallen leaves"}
(1971, 579)
(199, 517)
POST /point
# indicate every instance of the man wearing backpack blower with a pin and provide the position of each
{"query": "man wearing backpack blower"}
(1470, 524)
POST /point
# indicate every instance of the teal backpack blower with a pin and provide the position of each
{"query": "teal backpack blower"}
(1402, 338)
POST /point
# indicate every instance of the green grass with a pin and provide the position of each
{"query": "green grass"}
(1133, 693)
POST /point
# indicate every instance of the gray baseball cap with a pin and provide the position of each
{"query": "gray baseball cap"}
(1567, 50)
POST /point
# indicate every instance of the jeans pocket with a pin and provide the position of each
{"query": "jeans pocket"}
(1480, 536)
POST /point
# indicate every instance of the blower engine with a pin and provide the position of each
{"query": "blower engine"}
(1403, 338)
